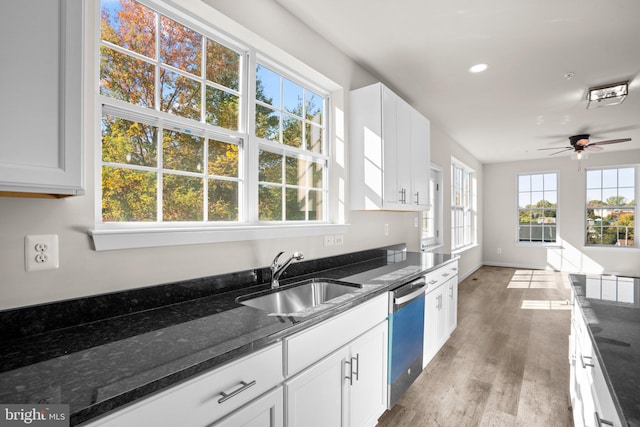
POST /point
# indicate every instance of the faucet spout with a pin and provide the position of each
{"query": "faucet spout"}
(278, 269)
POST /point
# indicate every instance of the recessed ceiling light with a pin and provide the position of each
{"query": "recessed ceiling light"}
(478, 68)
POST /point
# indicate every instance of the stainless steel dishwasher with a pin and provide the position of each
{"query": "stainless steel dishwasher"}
(406, 337)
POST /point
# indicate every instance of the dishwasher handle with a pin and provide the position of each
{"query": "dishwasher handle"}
(415, 294)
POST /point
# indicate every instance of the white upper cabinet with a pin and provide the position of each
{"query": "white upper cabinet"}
(41, 114)
(389, 152)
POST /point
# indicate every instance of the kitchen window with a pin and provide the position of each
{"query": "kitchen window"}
(431, 236)
(611, 205)
(537, 207)
(463, 206)
(188, 116)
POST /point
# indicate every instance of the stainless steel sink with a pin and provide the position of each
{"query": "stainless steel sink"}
(299, 296)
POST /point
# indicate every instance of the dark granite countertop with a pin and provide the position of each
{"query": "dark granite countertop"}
(101, 352)
(611, 308)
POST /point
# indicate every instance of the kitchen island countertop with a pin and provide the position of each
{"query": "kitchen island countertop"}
(610, 306)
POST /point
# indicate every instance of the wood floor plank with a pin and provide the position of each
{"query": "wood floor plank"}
(506, 363)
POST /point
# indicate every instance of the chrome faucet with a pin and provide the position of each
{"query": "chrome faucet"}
(278, 269)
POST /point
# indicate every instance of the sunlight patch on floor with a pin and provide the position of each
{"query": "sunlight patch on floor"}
(528, 304)
(539, 279)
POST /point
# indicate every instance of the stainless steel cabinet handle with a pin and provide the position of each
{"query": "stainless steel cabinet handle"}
(600, 421)
(357, 372)
(226, 396)
(350, 376)
(418, 198)
(403, 195)
(584, 364)
(451, 291)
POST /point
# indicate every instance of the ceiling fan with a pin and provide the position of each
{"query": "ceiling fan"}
(580, 143)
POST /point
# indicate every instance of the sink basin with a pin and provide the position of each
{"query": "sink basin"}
(299, 296)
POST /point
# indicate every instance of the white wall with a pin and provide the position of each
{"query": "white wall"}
(84, 271)
(442, 149)
(501, 218)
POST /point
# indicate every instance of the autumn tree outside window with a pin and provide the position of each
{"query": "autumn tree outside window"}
(611, 206)
(183, 114)
(537, 207)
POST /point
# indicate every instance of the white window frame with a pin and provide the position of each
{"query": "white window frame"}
(108, 236)
(464, 217)
(557, 209)
(431, 239)
(636, 243)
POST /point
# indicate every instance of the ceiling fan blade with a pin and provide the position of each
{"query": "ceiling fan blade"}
(611, 141)
(564, 150)
(592, 147)
(556, 148)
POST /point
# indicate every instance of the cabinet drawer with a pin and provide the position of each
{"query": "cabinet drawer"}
(204, 399)
(439, 276)
(310, 345)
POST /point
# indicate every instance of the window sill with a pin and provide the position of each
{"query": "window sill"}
(550, 245)
(464, 249)
(111, 239)
(611, 248)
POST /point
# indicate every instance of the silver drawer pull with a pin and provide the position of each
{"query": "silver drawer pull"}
(433, 281)
(357, 372)
(350, 377)
(599, 421)
(584, 364)
(227, 396)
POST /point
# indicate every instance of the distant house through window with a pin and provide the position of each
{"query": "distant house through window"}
(537, 207)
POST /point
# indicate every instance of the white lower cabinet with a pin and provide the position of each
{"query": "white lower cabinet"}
(265, 411)
(206, 398)
(347, 388)
(440, 310)
(591, 399)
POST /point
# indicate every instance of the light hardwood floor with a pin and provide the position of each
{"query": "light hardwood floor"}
(506, 364)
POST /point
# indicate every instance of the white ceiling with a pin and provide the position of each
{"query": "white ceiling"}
(422, 49)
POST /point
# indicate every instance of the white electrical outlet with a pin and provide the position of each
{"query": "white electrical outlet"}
(328, 240)
(41, 252)
(415, 221)
(386, 229)
(499, 251)
(339, 239)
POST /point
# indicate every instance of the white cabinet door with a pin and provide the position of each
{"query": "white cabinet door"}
(347, 388)
(391, 185)
(451, 296)
(367, 389)
(389, 152)
(419, 161)
(314, 397)
(41, 113)
(265, 411)
(434, 325)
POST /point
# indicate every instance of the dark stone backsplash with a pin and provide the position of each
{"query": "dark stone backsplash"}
(56, 316)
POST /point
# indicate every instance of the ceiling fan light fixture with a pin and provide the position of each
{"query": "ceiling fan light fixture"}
(612, 94)
(579, 155)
